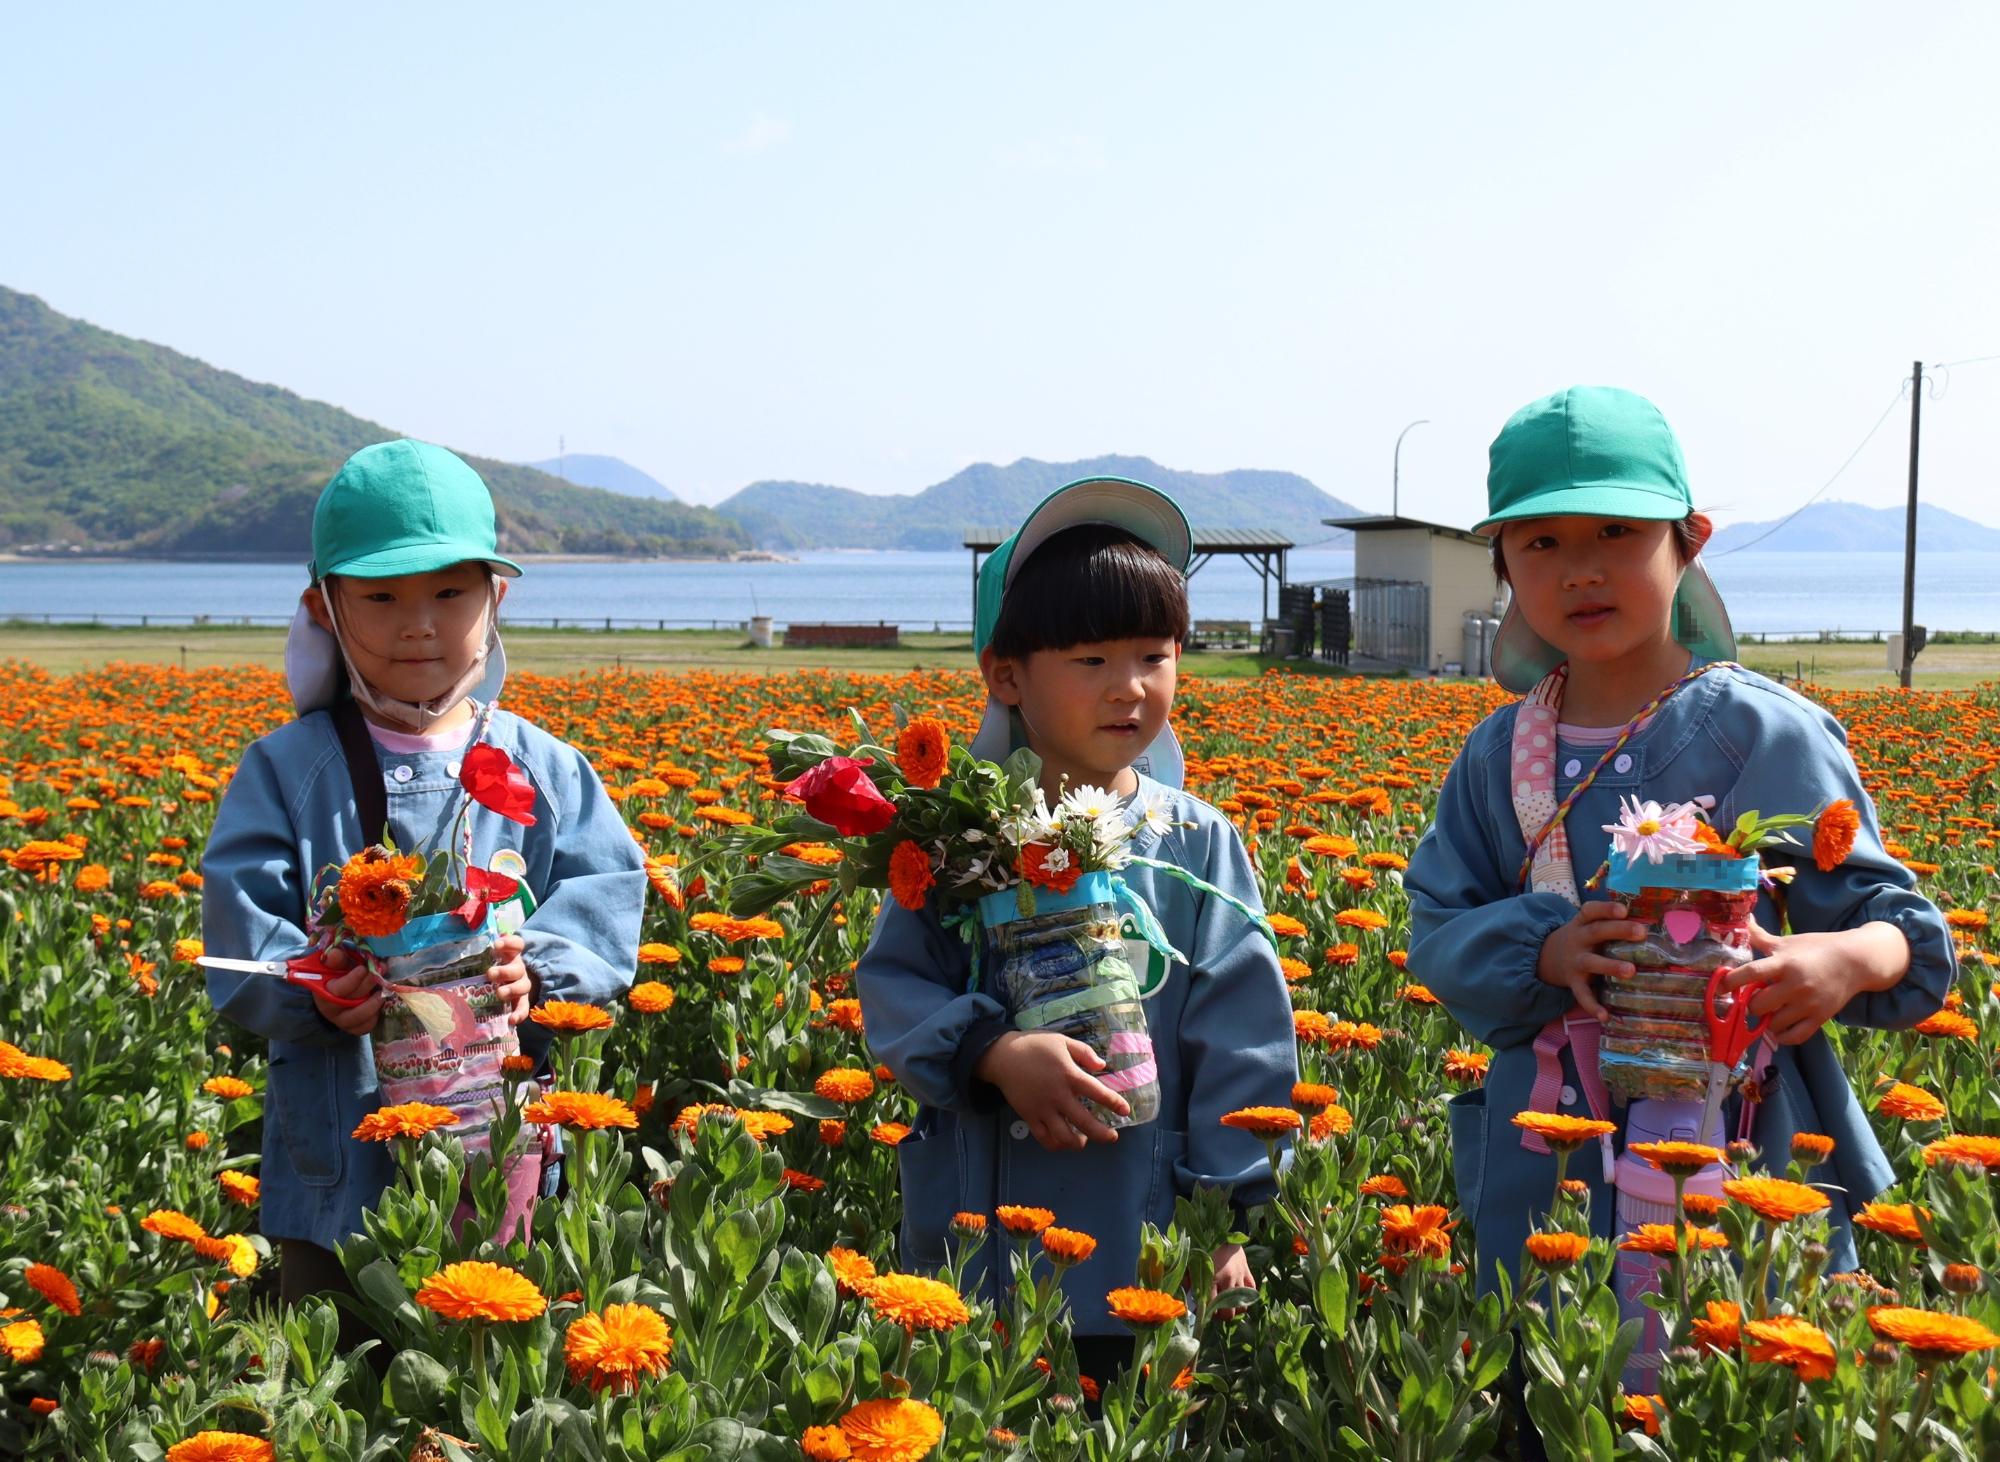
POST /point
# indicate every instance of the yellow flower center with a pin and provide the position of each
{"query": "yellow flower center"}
(1648, 828)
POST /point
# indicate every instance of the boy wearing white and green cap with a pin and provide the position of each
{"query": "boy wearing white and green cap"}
(1621, 647)
(393, 651)
(1081, 618)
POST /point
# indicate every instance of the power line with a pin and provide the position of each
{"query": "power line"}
(1970, 360)
(1894, 401)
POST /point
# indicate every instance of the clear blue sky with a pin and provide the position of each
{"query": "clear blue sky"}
(868, 244)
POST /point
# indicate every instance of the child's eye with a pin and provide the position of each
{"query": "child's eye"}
(1539, 542)
(1616, 530)
(1158, 659)
(449, 593)
(1088, 660)
(380, 596)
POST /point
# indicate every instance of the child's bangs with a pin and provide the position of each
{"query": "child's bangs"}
(1089, 585)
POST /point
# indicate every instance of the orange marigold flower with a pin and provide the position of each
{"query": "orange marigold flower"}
(1383, 1185)
(170, 1223)
(1721, 1328)
(726, 964)
(889, 1133)
(1786, 1340)
(1897, 1220)
(187, 951)
(1285, 926)
(1677, 1159)
(569, 1017)
(1562, 1131)
(1776, 1200)
(916, 1303)
(968, 1225)
(1910, 1103)
(832, 1132)
(1420, 1231)
(650, 997)
(1347, 1035)
(614, 1349)
(659, 954)
(1041, 864)
(1311, 1025)
(237, 1252)
(1642, 1413)
(54, 1286)
(1294, 970)
(375, 891)
(1699, 1206)
(1811, 1147)
(583, 1111)
(222, 1447)
(239, 1187)
(1332, 1122)
(910, 876)
(22, 1341)
(1312, 1095)
(1557, 1250)
(1330, 845)
(891, 1429)
(1417, 994)
(802, 1182)
(229, 1088)
(476, 1290)
(923, 751)
(1949, 1024)
(1929, 1336)
(1068, 1245)
(851, 1271)
(1965, 1148)
(1265, 1122)
(1833, 834)
(1973, 919)
(1361, 919)
(1467, 1066)
(844, 1084)
(1658, 1238)
(764, 1125)
(409, 1119)
(1018, 1220)
(825, 1444)
(1144, 1307)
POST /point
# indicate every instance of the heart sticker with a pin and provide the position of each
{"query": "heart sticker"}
(1683, 925)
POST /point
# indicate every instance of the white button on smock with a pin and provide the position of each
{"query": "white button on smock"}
(1572, 767)
(403, 773)
(1018, 1131)
(1623, 764)
(1569, 1096)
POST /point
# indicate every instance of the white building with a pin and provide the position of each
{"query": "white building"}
(1414, 583)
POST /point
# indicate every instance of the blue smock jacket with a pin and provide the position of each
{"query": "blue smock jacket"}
(1222, 1035)
(1475, 937)
(288, 814)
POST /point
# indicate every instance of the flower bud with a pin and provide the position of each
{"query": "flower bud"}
(1883, 1356)
(1963, 1278)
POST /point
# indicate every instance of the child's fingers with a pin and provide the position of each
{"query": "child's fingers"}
(1604, 931)
(1585, 997)
(1603, 964)
(508, 947)
(1762, 940)
(1600, 909)
(1096, 1091)
(1082, 1054)
(1077, 1115)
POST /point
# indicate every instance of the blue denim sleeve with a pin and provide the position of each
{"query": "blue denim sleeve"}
(1237, 1046)
(582, 941)
(253, 906)
(1475, 941)
(919, 1018)
(1797, 761)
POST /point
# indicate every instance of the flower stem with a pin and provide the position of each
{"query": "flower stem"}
(1920, 1412)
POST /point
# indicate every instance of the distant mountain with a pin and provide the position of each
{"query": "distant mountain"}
(117, 445)
(809, 515)
(1837, 527)
(613, 474)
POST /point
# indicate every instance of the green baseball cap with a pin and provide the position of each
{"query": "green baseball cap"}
(1148, 514)
(403, 507)
(1594, 452)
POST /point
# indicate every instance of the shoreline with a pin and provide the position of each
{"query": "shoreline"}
(745, 555)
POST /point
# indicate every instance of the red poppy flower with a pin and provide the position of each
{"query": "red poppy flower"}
(490, 775)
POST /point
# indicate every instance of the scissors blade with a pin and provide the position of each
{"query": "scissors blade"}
(244, 966)
(1711, 1106)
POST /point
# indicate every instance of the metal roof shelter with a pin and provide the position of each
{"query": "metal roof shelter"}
(1261, 548)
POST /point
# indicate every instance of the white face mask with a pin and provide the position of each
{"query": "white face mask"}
(418, 716)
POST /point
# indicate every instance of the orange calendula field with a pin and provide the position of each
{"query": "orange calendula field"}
(721, 1277)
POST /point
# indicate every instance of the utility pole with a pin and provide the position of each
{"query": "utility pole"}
(1396, 478)
(1910, 633)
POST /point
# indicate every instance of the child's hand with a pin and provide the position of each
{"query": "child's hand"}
(1232, 1271)
(1570, 957)
(509, 976)
(1045, 1078)
(1809, 978)
(356, 1020)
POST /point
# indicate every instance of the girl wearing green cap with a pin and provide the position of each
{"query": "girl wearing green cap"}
(1621, 647)
(394, 662)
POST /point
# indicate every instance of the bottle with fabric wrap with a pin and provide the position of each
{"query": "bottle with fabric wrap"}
(1064, 968)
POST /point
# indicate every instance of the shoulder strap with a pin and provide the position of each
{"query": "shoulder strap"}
(364, 769)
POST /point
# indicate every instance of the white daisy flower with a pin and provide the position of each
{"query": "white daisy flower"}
(1650, 831)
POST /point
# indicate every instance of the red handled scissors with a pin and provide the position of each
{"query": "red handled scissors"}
(1730, 1033)
(305, 971)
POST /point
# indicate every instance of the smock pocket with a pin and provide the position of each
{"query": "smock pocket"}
(303, 1100)
(927, 1162)
(1168, 1155)
(1467, 1111)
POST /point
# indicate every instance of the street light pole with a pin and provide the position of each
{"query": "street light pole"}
(1396, 481)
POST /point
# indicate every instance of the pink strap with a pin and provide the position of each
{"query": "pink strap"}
(1131, 1076)
(1580, 1034)
(1130, 1043)
(1747, 1117)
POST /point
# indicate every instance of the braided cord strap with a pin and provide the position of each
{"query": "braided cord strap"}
(1631, 730)
(1257, 920)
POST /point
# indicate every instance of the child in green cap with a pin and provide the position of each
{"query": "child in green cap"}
(394, 661)
(1623, 651)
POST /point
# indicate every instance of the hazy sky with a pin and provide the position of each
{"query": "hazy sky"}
(868, 244)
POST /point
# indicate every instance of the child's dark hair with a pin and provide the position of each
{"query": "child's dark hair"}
(1687, 541)
(1089, 584)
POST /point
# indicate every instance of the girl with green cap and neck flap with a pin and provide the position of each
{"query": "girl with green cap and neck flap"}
(1619, 643)
(394, 664)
